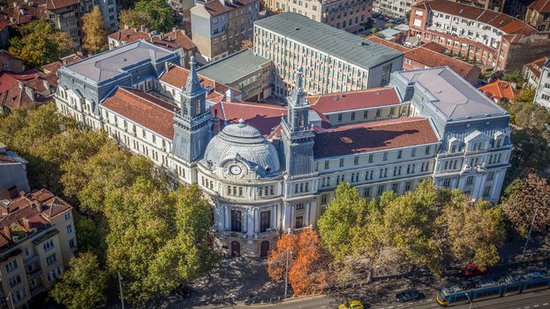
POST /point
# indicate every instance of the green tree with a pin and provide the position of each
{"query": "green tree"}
(515, 76)
(153, 14)
(34, 49)
(345, 213)
(95, 35)
(528, 198)
(475, 231)
(154, 245)
(83, 285)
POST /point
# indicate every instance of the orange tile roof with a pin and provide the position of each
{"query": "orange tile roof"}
(264, 117)
(129, 35)
(432, 59)
(434, 46)
(336, 102)
(536, 66)
(215, 7)
(387, 43)
(499, 90)
(373, 136)
(541, 6)
(143, 108)
(506, 23)
(59, 4)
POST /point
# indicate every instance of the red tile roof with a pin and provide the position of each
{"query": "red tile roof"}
(435, 47)
(59, 4)
(176, 76)
(264, 117)
(536, 66)
(430, 58)
(541, 6)
(143, 108)
(499, 90)
(129, 35)
(30, 212)
(373, 136)
(23, 13)
(13, 89)
(506, 23)
(387, 43)
(361, 99)
(215, 7)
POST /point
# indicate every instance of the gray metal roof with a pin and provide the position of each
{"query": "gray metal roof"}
(114, 62)
(234, 67)
(335, 42)
(453, 96)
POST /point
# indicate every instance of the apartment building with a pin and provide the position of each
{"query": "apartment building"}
(349, 15)
(494, 40)
(494, 5)
(334, 60)
(394, 8)
(108, 10)
(538, 15)
(37, 241)
(251, 75)
(532, 71)
(542, 86)
(65, 15)
(219, 27)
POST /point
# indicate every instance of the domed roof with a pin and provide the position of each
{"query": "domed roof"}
(245, 143)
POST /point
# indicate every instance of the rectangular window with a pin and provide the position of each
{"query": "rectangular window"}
(15, 280)
(413, 152)
(366, 192)
(427, 152)
(353, 116)
(11, 266)
(324, 199)
(469, 180)
(486, 191)
(385, 156)
(327, 162)
(51, 259)
(407, 186)
(371, 158)
(395, 187)
(265, 221)
(72, 244)
(341, 164)
(380, 190)
(48, 245)
(69, 229)
(399, 154)
(365, 114)
(378, 113)
(236, 220)
(356, 160)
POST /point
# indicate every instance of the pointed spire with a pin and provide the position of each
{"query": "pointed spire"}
(298, 91)
(193, 84)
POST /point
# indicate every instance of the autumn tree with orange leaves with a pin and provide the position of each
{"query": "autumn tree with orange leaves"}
(307, 262)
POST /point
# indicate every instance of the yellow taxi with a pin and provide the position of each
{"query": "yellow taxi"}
(352, 304)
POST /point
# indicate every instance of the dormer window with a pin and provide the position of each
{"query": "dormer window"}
(498, 139)
(454, 145)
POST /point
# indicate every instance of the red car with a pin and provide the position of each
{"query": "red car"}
(472, 271)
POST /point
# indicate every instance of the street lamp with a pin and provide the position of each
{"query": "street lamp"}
(530, 230)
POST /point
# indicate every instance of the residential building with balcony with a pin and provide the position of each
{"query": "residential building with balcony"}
(37, 241)
(65, 16)
(334, 60)
(348, 15)
(532, 71)
(394, 8)
(267, 169)
(542, 88)
(493, 40)
(494, 5)
(538, 15)
(219, 27)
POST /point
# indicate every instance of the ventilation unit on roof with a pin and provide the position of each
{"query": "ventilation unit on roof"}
(363, 43)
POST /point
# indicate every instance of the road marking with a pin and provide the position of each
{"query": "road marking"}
(545, 304)
(535, 306)
(400, 305)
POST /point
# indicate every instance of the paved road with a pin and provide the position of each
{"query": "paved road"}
(532, 300)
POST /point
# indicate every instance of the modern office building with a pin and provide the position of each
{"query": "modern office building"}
(251, 75)
(333, 59)
(268, 168)
(495, 40)
(37, 241)
(349, 15)
(219, 27)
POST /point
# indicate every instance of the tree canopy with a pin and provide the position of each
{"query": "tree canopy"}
(526, 199)
(153, 14)
(419, 229)
(32, 46)
(307, 262)
(95, 35)
(83, 286)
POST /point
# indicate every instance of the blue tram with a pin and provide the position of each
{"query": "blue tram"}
(485, 289)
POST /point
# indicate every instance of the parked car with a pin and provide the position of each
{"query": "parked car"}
(352, 304)
(375, 15)
(408, 295)
(471, 271)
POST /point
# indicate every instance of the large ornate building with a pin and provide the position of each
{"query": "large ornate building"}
(267, 169)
